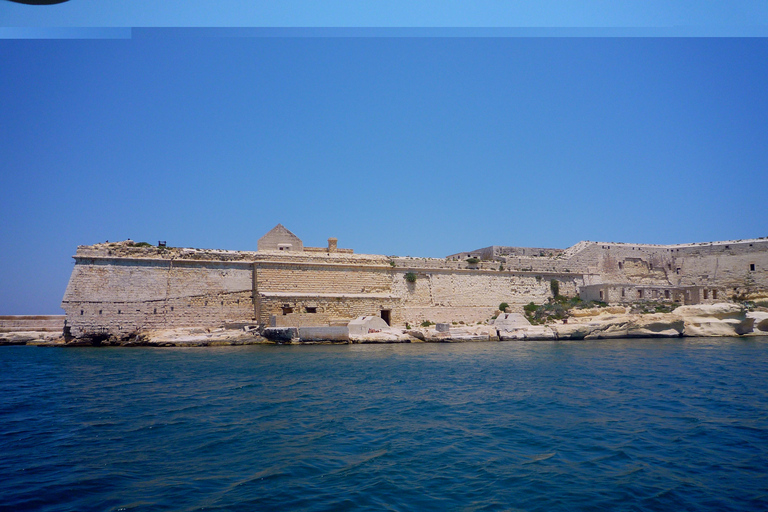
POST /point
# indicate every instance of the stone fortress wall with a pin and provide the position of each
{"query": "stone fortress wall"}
(121, 288)
(38, 323)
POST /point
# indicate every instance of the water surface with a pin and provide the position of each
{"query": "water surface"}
(549, 426)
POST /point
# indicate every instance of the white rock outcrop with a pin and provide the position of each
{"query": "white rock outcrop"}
(714, 320)
(605, 323)
(760, 325)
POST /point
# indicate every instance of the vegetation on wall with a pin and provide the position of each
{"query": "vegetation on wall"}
(410, 277)
(645, 308)
(554, 286)
(473, 261)
(503, 307)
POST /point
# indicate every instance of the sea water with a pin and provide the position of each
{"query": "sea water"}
(638, 424)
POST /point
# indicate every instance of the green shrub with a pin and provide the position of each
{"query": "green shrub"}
(554, 285)
(391, 263)
(530, 307)
(143, 244)
(501, 267)
(410, 277)
(503, 306)
(426, 323)
(592, 304)
(472, 260)
(645, 308)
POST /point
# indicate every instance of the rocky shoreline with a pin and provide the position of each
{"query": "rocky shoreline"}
(616, 322)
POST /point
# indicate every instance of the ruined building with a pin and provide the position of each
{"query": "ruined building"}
(120, 288)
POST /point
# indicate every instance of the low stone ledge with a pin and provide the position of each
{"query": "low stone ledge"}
(37, 338)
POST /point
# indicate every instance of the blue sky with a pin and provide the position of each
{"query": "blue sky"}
(389, 13)
(420, 146)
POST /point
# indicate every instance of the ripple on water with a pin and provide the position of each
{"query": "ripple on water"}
(640, 425)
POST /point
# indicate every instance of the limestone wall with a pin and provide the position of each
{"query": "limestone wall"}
(338, 291)
(741, 266)
(39, 323)
(120, 295)
(120, 288)
(330, 309)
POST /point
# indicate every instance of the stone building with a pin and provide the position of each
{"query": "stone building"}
(121, 288)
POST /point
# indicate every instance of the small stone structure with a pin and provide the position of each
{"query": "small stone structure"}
(279, 238)
(367, 324)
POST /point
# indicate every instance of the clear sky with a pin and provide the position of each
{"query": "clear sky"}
(421, 146)
(389, 13)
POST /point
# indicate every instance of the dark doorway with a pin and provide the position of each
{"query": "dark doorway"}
(386, 315)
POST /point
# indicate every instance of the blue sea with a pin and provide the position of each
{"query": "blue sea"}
(642, 424)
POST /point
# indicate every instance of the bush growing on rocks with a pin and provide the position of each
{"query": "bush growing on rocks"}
(645, 308)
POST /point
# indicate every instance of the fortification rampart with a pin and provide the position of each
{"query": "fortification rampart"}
(119, 295)
(38, 323)
(732, 268)
(121, 288)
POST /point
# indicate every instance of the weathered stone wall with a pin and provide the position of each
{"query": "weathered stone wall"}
(119, 295)
(472, 288)
(40, 323)
(331, 310)
(119, 288)
(739, 267)
(340, 291)
(500, 251)
(630, 293)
